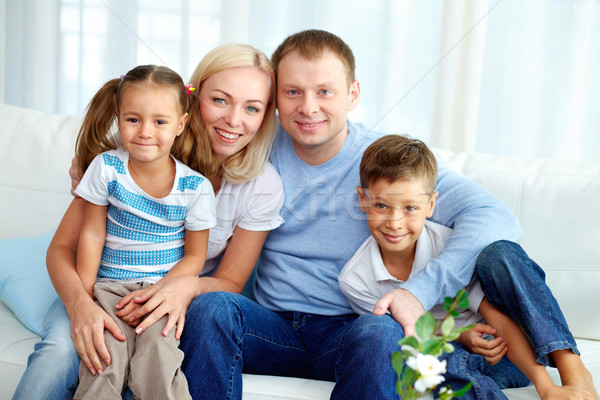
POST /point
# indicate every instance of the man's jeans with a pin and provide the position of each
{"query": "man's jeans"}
(516, 286)
(227, 333)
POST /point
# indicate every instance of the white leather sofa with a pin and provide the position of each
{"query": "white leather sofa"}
(556, 202)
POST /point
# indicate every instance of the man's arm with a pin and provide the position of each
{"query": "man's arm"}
(478, 218)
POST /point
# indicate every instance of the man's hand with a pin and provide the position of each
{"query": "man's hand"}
(404, 307)
(74, 174)
(473, 341)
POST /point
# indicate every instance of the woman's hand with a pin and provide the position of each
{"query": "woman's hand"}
(473, 341)
(167, 297)
(88, 322)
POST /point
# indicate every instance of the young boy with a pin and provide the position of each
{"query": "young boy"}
(398, 179)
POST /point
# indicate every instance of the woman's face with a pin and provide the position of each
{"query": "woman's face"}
(233, 103)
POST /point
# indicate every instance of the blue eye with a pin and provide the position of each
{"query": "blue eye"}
(134, 120)
(219, 101)
(161, 122)
(252, 109)
(293, 92)
(324, 92)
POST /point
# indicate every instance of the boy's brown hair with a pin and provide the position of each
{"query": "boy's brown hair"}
(396, 157)
(311, 44)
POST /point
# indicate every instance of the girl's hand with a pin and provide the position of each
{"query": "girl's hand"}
(88, 322)
(473, 341)
(167, 297)
(127, 307)
(75, 176)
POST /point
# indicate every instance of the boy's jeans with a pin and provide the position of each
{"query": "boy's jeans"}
(516, 286)
(227, 333)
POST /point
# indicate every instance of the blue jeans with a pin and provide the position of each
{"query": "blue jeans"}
(53, 368)
(515, 285)
(227, 333)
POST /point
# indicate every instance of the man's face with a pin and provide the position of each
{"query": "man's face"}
(313, 100)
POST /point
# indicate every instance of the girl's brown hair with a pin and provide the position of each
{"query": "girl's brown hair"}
(98, 131)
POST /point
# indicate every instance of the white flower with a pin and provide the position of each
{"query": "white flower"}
(430, 369)
(446, 390)
(409, 349)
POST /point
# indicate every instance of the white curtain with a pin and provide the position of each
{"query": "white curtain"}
(499, 76)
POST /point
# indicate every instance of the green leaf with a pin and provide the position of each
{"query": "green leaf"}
(398, 362)
(432, 346)
(448, 325)
(410, 341)
(462, 299)
(464, 390)
(454, 313)
(425, 325)
(448, 348)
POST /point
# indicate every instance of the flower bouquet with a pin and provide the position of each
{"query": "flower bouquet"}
(417, 363)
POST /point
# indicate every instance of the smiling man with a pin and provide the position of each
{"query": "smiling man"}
(302, 325)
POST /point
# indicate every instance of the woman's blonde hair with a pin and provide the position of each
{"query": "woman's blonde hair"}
(98, 131)
(196, 151)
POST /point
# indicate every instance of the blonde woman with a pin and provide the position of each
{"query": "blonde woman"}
(231, 121)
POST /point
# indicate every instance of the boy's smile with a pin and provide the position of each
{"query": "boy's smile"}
(396, 212)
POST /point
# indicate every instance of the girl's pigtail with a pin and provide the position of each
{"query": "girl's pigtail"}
(96, 134)
(191, 143)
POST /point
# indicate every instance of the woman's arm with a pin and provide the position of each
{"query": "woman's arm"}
(91, 242)
(174, 295)
(88, 320)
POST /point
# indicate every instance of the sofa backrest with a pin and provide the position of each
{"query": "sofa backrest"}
(556, 202)
(35, 154)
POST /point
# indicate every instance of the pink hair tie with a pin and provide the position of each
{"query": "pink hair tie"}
(189, 89)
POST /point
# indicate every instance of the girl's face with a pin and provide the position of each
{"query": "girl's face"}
(233, 103)
(149, 120)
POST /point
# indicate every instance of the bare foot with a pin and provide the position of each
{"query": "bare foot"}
(568, 393)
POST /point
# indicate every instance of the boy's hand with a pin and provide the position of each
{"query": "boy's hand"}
(473, 341)
(404, 307)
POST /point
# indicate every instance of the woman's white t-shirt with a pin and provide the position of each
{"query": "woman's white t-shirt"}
(254, 205)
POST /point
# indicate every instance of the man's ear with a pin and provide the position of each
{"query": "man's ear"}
(361, 198)
(353, 95)
(431, 206)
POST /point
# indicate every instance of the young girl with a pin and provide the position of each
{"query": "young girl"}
(146, 218)
(231, 126)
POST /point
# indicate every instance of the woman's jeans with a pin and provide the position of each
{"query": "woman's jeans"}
(516, 286)
(227, 333)
(53, 367)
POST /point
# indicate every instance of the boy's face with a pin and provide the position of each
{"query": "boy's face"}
(313, 100)
(396, 212)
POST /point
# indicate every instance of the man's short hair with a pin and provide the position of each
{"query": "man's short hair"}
(312, 44)
(397, 157)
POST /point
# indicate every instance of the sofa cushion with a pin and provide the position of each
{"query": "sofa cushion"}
(24, 283)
